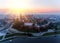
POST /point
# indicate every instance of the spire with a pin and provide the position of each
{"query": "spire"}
(20, 17)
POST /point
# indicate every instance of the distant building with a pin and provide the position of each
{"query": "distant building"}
(28, 24)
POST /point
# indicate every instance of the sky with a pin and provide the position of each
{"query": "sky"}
(31, 5)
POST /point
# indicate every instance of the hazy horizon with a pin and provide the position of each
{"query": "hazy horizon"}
(29, 6)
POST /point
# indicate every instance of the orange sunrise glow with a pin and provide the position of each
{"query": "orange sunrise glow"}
(24, 6)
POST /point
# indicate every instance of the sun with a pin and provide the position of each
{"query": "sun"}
(19, 6)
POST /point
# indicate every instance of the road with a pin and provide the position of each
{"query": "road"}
(7, 26)
(3, 31)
